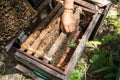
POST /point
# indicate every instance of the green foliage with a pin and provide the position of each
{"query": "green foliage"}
(109, 38)
(94, 58)
(80, 71)
(76, 75)
(98, 59)
(118, 73)
(103, 63)
(114, 22)
(110, 76)
(93, 43)
(114, 36)
(72, 44)
(108, 67)
(111, 64)
(105, 68)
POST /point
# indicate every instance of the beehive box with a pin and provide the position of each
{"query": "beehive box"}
(53, 53)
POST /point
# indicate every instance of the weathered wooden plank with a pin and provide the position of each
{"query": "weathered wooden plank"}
(50, 16)
(88, 10)
(38, 65)
(36, 32)
(33, 11)
(100, 22)
(67, 50)
(27, 72)
(49, 39)
(77, 16)
(55, 46)
(29, 41)
(86, 4)
(37, 42)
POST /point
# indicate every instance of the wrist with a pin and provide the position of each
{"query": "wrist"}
(68, 10)
(68, 3)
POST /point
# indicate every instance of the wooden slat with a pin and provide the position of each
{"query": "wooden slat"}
(29, 60)
(50, 16)
(27, 72)
(33, 11)
(29, 41)
(86, 4)
(36, 32)
(49, 38)
(67, 50)
(55, 46)
(100, 22)
(88, 10)
(36, 43)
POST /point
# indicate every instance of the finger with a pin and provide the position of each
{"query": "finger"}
(61, 26)
(72, 27)
(66, 28)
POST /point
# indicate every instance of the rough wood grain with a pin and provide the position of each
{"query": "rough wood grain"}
(86, 5)
(29, 41)
(67, 50)
(49, 38)
(55, 46)
(49, 28)
(27, 72)
(42, 24)
(50, 16)
(38, 65)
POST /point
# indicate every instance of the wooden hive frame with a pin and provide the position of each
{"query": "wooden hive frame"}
(36, 17)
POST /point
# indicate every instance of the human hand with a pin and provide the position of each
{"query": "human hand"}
(68, 21)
